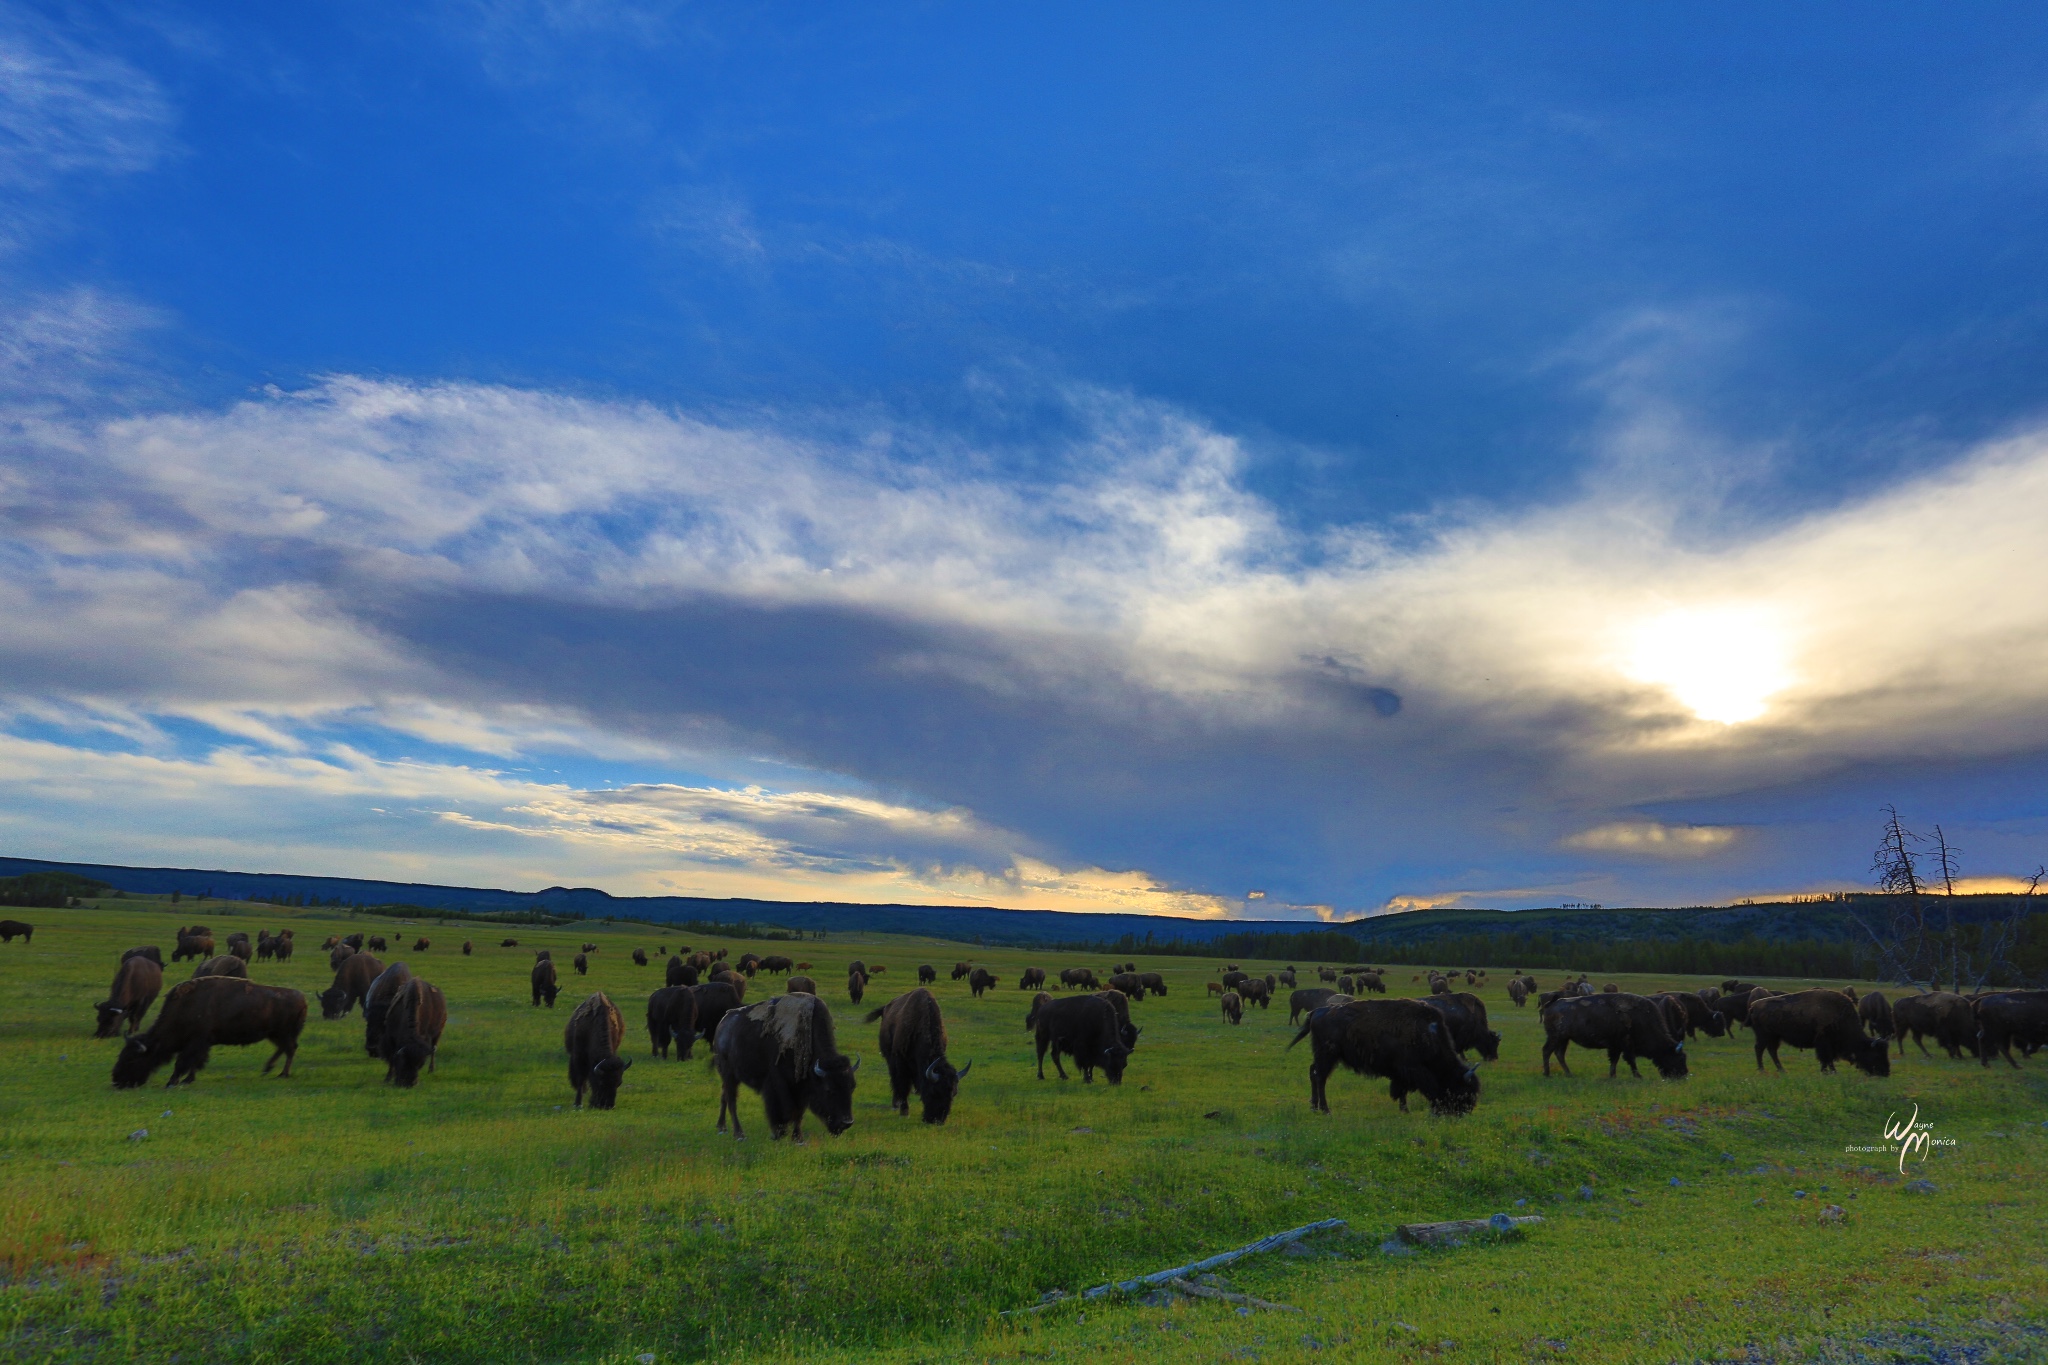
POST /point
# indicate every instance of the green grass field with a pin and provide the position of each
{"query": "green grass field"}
(481, 1217)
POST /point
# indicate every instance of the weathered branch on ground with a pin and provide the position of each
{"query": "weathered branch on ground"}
(1203, 1291)
(1181, 1272)
(1437, 1234)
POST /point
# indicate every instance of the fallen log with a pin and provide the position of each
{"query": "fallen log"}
(1203, 1291)
(1437, 1234)
(1181, 1272)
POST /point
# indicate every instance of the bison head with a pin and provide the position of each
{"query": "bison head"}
(109, 1019)
(937, 1084)
(1716, 1025)
(1873, 1057)
(604, 1081)
(1113, 1060)
(1671, 1065)
(136, 1063)
(1489, 1045)
(831, 1098)
(406, 1063)
(1457, 1096)
(334, 1002)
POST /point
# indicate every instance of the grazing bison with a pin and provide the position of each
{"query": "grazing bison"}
(467, 947)
(378, 945)
(1876, 1013)
(1156, 984)
(592, 947)
(1232, 1006)
(342, 953)
(1030, 979)
(715, 1000)
(1403, 1041)
(1820, 1019)
(148, 950)
(961, 969)
(136, 983)
(194, 944)
(801, 985)
(927, 974)
(592, 1039)
(354, 941)
(212, 1011)
(1329, 974)
(508, 943)
(266, 946)
(1465, 1015)
(1518, 992)
(1255, 991)
(672, 1017)
(281, 945)
(1126, 1031)
(913, 1041)
(857, 985)
(1304, 1001)
(1215, 987)
(2009, 1017)
(543, 981)
(1128, 983)
(680, 972)
(775, 964)
(227, 964)
(783, 1048)
(238, 946)
(1083, 1027)
(377, 1004)
(11, 929)
(412, 1031)
(1234, 978)
(981, 980)
(1943, 1014)
(1627, 1026)
(1286, 979)
(420, 945)
(1374, 983)
(1734, 1005)
(1700, 1017)
(332, 942)
(581, 962)
(1083, 977)
(351, 982)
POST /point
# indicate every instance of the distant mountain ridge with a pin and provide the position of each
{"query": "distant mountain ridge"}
(1823, 921)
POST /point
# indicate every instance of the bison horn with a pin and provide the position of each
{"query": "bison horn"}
(856, 1064)
(931, 1073)
(818, 1070)
(964, 1070)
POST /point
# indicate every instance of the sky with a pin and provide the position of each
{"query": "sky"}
(1070, 457)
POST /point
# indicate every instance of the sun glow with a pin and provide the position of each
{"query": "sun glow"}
(1723, 664)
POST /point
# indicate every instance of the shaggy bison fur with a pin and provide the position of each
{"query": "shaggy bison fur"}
(913, 1041)
(1404, 1041)
(1626, 1026)
(136, 984)
(211, 1011)
(592, 1039)
(1821, 1019)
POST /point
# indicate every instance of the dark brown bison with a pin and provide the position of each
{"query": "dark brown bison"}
(1876, 1013)
(1303, 1001)
(1126, 1031)
(1821, 1019)
(1674, 1013)
(420, 945)
(1734, 1005)
(913, 1042)
(355, 941)
(340, 954)
(148, 950)
(543, 982)
(592, 1039)
(1286, 979)
(715, 999)
(136, 983)
(377, 1004)
(1256, 992)
(1232, 1005)
(1626, 1026)
(731, 978)
(1404, 1041)
(1234, 978)
(1518, 992)
(351, 981)
(672, 1018)
(1700, 1017)
(281, 945)
(227, 964)
(1373, 983)
(192, 944)
(982, 980)
(540, 954)
(11, 929)
(2009, 1017)
(1128, 983)
(1084, 1027)
(412, 1031)
(332, 942)
(927, 974)
(467, 947)
(783, 1048)
(1153, 982)
(857, 985)
(775, 964)
(680, 971)
(1030, 979)
(581, 962)
(508, 943)
(238, 945)
(856, 966)
(639, 957)
(1329, 974)
(1466, 1016)
(802, 985)
(1082, 977)
(211, 1011)
(378, 945)
(749, 963)
(1944, 1015)
(266, 946)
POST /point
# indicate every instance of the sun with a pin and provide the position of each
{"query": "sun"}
(1723, 664)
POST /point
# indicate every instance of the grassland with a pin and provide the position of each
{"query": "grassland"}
(481, 1217)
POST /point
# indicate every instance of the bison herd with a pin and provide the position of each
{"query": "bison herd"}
(784, 1047)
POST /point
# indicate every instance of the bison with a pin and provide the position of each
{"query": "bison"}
(592, 1039)
(1821, 1019)
(1125, 1030)
(1304, 1001)
(420, 945)
(194, 945)
(508, 943)
(281, 945)
(961, 969)
(927, 974)
(1153, 982)
(1232, 1005)
(378, 945)
(2009, 1017)
(354, 941)
(1030, 979)
(783, 1048)
(351, 981)
(1699, 1015)
(857, 985)
(913, 1042)
(340, 954)
(227, 964)
(1083, 977)
(681, 971)
(639, 957)
(1627, 1026)
(1518, 992)
(775, 964)
(982, 979)
(1876, 1013)
(581, 962)
(377, 1004)
(543, 982)
(211, 1011)
(1129, 984)
(1404, 1041)
(715, 999)
(1083, 1027)
(136, 983)
(412, 1031)
(1255, 991)
(801, 985)
(467, 947)
(238, 946)
(1943, 1014)
(148, 950)
(672, 1017)
(592, 947)
(266, 946)
(11, 929)
(1465, 1015)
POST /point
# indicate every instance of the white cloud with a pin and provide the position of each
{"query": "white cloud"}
(1655, 839)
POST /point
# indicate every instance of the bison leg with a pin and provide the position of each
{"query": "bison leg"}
(1773, 1046)
(1055, 1065)
(286, 1053)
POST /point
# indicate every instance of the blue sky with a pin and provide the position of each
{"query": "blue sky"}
(1063, 458)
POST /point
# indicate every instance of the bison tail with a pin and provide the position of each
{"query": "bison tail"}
(873, 1014)
(1307, 1024)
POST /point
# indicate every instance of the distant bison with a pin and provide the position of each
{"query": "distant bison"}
(136, 983)
(1233, 1007)
(802, 985)
(1820, 1019)
(592, 947)
(1305, 1001)
(378, 945)
(11, 929)
(1626, 1026)
(227, 964)
(412, 1031)
(1700, 1017)
(680, 971)
(982, 980)
(913, 1042)
(467, 947)
(266, 946)
(1876, 1013)
(543, 953)
(351, 981)
(1404, 1041)
(927, 974)
(2009, 1017)
(857, 985)
(544, 987)
(207, 1012)
(1082, 1027)
(784, 1049)
(340, 954)
(1465, 1015)
(1518, 992)
(776, 964)
(1128, 983)
(238, 946)
(1944, 1015)
(420, 945)
(1031, 979)
(639, 957)
(1255, 991)
(581, 962)
(194, 944)
(672, 1018)
(1083, 977)
(715, 1000)
(508, 943)
(281, 946)
(377, 1004)
(592, 1040)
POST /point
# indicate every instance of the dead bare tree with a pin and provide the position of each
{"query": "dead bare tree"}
(1910, 951)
